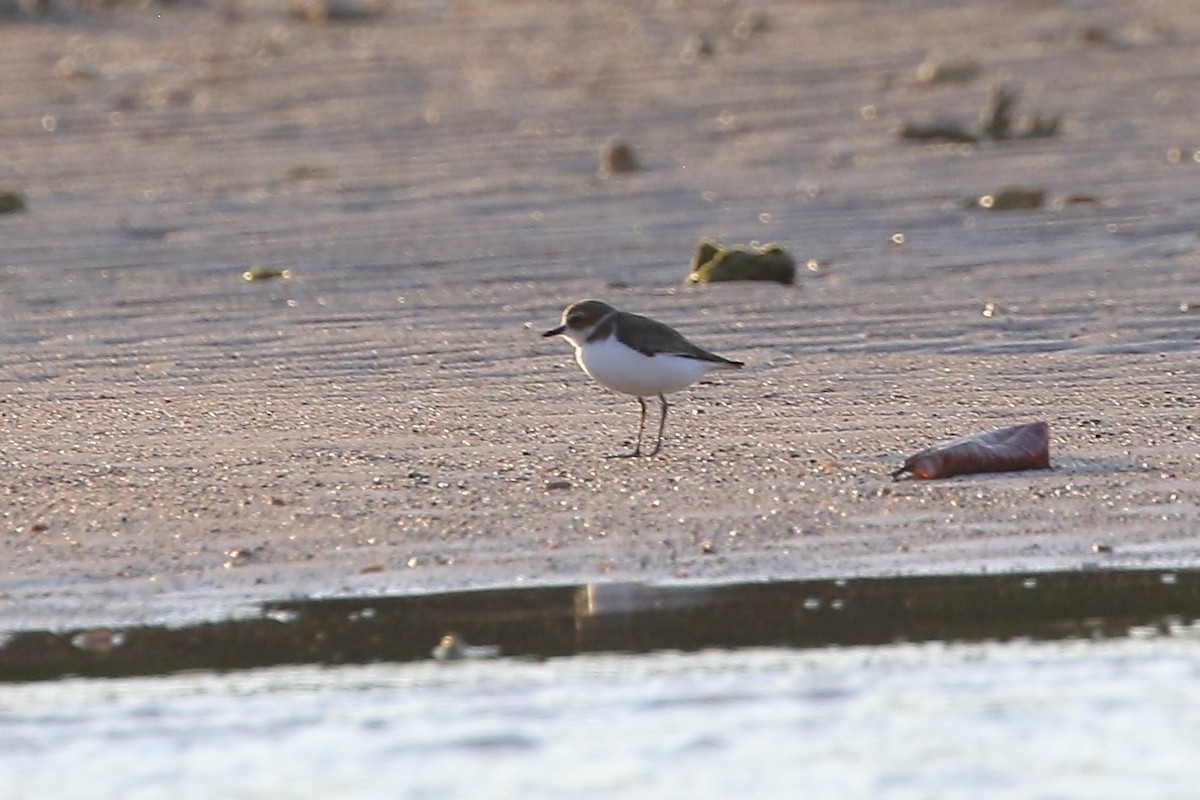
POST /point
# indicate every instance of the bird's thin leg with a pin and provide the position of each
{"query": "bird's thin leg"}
(662, 421)
(637, 450)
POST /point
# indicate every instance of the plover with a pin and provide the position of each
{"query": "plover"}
(635, 355)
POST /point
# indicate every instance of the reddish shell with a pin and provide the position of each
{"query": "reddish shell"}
(1011, 449)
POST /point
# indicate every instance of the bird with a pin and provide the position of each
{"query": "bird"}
(635, 355)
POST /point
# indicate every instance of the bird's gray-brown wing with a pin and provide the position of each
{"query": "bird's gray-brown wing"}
(655, 337)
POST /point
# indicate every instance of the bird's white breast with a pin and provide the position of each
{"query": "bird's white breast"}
(623, 369)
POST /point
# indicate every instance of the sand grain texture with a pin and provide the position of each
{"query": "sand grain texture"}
(176, 439)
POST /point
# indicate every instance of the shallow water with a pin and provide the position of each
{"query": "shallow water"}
(1074, 718)
(1028, 685)
(550, 621)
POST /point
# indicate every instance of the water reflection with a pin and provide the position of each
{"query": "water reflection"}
(556, 621)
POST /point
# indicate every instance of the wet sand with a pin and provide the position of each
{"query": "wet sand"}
(177, 441)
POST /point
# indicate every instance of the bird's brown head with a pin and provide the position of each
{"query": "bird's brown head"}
(581, 316)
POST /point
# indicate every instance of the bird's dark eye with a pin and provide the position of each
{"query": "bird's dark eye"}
(575, 320)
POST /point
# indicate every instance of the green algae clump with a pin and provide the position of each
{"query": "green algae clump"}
(713, 262)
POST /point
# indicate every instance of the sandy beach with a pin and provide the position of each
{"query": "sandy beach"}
(178, 441)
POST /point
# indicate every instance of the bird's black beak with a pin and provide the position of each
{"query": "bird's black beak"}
(555, 331)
